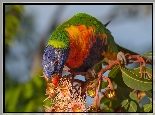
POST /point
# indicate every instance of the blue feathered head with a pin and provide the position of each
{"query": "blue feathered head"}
(53, 60)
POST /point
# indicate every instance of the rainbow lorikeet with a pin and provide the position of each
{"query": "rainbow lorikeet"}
(78, 43)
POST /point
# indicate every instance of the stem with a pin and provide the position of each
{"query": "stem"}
(109, 81)
(138, 58)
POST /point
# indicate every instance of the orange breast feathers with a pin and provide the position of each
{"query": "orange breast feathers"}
(82, 39)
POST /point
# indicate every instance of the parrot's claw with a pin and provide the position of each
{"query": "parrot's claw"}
(121, 57)
(91, 73)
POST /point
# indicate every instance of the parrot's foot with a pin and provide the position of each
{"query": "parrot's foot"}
(90, 73)
(121, 57)
(140, 59)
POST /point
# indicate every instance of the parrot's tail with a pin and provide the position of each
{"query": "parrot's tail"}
(120, 48)
(107, 23)
(124, 50)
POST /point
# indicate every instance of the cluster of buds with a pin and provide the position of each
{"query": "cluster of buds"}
(64, 98)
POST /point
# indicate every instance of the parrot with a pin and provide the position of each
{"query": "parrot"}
(79, 43)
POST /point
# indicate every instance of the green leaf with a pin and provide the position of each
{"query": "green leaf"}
(38, 81)
(29, 106)
(149, 93)
(115, 102)
(131, 104)
(113, 72)
(105, 61)
(29, 90)
(119, 80)
(148, 54)
(14, 98)
(125, 103)
(132, 107)
(145, 69)
(107, 102)
(108, 109)
(97, 67)
(147, 108)
(114, 85)
(149, 70)
(122, 93)
(133, 80)
(133, 96)
(104, 84)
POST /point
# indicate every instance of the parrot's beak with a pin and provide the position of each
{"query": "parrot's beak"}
(49, 79)
(56, 74)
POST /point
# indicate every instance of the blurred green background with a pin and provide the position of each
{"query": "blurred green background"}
(28, 28)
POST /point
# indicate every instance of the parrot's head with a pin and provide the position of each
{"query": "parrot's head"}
(53, 60)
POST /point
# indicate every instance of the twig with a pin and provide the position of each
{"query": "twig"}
(117, 62)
